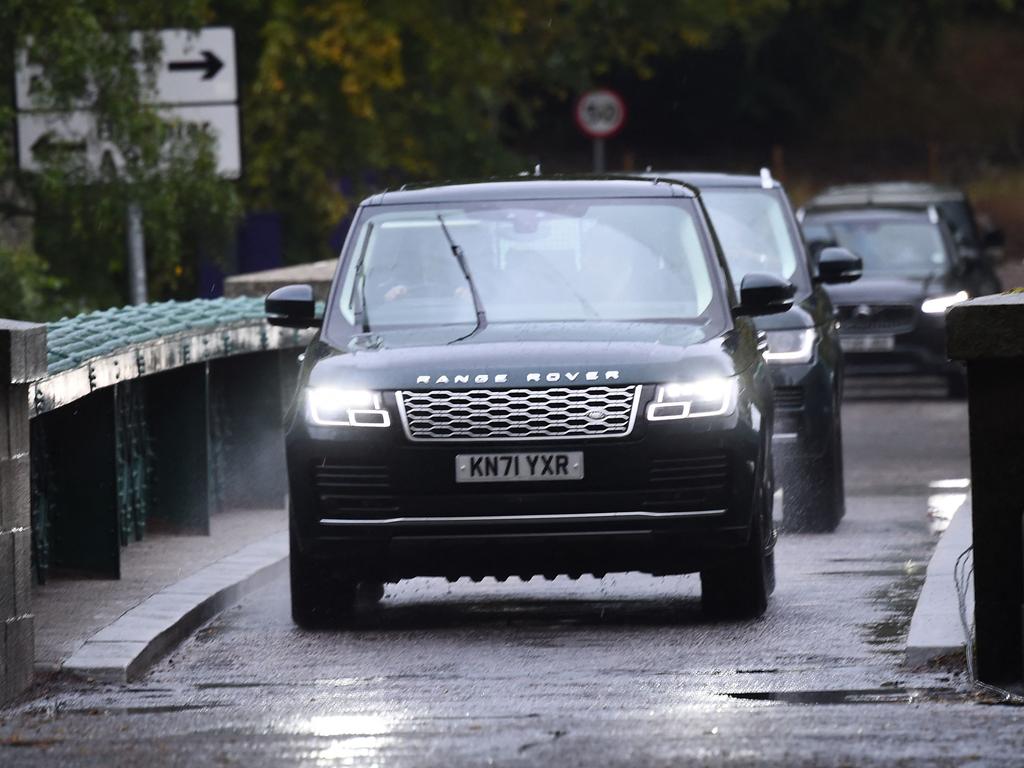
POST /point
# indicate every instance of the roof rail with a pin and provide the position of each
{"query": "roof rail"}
(767, 182)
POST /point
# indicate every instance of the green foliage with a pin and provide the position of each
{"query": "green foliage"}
(27, 290)
(392, 89)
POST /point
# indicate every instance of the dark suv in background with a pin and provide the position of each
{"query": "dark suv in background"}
(758, 232)
(893, 320)
(983, 247)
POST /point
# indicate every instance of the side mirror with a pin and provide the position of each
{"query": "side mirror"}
(292, 306)
(838, 265)
(764, 294)
(993, 238)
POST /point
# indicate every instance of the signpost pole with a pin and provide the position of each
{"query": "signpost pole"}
(136, 255)
(599, 156)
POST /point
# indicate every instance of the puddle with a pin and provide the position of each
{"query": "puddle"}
(899, 599)
(856, 696)
(159, 710)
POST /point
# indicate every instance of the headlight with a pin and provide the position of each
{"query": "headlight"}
(690, 400)
(331, 407)
(940, 304)
(790, 346)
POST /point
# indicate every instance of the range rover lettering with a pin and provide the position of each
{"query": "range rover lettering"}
(531, 377)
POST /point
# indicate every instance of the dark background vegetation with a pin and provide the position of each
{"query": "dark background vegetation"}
(340, 97)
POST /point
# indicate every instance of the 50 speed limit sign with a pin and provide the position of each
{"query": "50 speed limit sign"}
(600, 113)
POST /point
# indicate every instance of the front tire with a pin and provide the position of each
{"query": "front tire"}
(739, 588)
(815, 496)
(320, 597)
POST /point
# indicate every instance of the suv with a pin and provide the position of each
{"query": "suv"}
(759, 233)
(982, 247)
(531, 377)
(893, 321)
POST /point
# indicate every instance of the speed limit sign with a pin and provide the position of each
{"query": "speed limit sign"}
(600, 113)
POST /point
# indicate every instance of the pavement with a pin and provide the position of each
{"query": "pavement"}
(113, 629)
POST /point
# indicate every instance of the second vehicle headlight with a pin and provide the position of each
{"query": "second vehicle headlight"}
(790, 346)
(334, 407)
(940, 304)
(693, 399)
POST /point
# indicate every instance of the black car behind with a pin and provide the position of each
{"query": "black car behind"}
(758, 231)
(892, 321)
(532, 378)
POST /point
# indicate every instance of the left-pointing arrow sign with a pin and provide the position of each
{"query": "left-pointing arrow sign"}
(210, 63)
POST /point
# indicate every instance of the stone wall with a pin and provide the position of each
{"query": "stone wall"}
(22, 361)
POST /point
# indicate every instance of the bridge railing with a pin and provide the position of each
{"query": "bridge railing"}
(127, 420)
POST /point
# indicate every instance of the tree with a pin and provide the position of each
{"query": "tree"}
(350, 95)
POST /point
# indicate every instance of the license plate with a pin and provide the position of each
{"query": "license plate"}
(877, 343)
(515, 467)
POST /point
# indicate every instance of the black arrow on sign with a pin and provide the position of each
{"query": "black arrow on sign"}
(211, 63)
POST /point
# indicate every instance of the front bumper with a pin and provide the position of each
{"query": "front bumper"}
(919, 350)
(663, 500)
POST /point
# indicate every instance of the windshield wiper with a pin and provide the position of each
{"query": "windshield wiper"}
(460, 256)
(359, 285)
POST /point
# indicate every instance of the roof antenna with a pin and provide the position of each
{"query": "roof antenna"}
(767, 182)
(536, 170)
(648, 169)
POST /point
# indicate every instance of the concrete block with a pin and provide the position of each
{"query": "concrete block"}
(15, 493)
(5, 689)
(22, 572)
(19, 653)
(22, 351)
(6, 576)
(14, 415)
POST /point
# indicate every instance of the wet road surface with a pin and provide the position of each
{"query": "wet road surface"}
(621, 671)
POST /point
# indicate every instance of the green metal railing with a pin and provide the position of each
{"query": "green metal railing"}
(152, 417)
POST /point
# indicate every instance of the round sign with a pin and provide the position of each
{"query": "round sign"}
(600, 113)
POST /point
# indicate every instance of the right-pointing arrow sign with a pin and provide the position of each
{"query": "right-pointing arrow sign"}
(210, 63)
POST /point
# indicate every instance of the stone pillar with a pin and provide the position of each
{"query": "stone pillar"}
(22, 361)
(988, 334)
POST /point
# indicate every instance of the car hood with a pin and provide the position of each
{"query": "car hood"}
(534, 354)
(890, 290)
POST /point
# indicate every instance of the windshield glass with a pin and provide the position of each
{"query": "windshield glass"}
(886, 246)
(552, 260)
(752, 227)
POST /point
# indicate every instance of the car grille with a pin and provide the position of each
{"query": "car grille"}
(789, 398)
(876, 318)
(693, 482)
(519, 414)
(350, 489)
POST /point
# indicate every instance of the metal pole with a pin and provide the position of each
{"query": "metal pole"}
(598, 155)
(136, 255)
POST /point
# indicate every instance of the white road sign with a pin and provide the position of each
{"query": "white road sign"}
(196, 85)
(197, 68)
(194, 68)
(77, 132)
(600, 113)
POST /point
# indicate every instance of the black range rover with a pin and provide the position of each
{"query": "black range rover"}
(531, 378)
(759, 233)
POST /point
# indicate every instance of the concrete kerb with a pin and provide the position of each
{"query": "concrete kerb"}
(124, 649)
(935, 628)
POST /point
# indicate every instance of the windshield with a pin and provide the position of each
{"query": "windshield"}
(552, 260)
(886, 246)
(752, 227)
